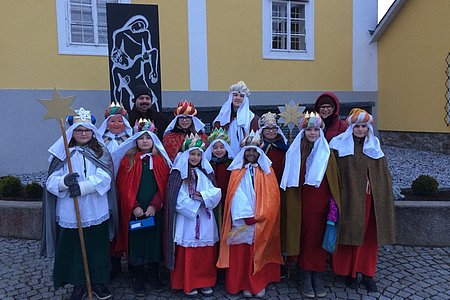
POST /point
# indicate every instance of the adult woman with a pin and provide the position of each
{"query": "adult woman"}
(311, 177)
(367, 210)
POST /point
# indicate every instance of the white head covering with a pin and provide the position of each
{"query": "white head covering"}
(280, 132)
(120, 152)
(104, 127)
(208, 151)
(345, 145)
(316, 163)
(263, 161)
(199, 125)
(57, 149)
(182, 163)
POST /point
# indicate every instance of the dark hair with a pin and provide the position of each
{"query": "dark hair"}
(93, 143)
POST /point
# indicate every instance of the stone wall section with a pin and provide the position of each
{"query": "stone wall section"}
(437, 142)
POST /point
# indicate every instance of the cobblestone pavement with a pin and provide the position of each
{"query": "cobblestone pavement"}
(402, 273)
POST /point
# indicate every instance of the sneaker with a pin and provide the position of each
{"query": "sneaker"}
(247, 294)
(206, 291)
(307, 288)
(139, 286)
(261, 293)
(192, 293)
(101, 292)
(78, 293)
(317, 281)
(370, 285)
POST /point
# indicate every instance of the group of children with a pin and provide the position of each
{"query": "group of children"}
(237, 200)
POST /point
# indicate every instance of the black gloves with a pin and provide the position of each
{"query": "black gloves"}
(71, 179)
(74, 190)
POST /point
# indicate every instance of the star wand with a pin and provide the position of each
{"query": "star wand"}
(58, 108)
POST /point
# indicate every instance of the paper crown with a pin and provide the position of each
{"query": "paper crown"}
(192, 141)
(268, 119)
(252, 139)
(359, 115)
(240, 87)
(185, 108)
(311, 120)
(144, 125)
(116, 109)
(81, 116)
(219, 134)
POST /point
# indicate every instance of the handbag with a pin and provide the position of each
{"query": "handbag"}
(330, 236)
(142, 224)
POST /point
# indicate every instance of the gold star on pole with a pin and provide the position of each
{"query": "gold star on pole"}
(58, 107)
(289, 114)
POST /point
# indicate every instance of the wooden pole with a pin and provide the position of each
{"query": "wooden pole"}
(77, 213)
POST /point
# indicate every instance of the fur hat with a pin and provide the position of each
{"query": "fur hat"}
(81, 116)
(252, 139)
(192, 141)
(240, 87)
(116, 109)
(311, 120)
(185, 108)
(141, 90)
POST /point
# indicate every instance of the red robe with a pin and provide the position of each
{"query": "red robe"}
(127, 188)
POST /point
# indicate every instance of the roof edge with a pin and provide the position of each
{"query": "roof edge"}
(387, 19)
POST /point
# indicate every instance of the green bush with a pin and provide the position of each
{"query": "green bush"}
(10, 186)
(33, 190)
(425, 185)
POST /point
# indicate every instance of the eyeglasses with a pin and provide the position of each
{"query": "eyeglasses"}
(81, 131)
(326, 106)
(272, 129)
(184, 117)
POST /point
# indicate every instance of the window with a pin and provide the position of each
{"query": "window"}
(82, 26)
(288, 29)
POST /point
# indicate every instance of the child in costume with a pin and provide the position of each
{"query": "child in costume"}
(312, 181)
(235, 115)
(141, 182)
(191, 250)
(250, 237)
(220, 155)
(184, 123)
(91, 183)
(115, 129)
(368, 215)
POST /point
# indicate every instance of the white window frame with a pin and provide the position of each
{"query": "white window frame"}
(64, 44)
(269, 53)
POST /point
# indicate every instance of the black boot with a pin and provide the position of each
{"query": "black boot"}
(317, 281)
(139, 280)
(116, 266)
(154, 277)
(351, 282)
(370, 285)
(307, 290)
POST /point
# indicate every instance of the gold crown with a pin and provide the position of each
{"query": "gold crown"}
(252, 139)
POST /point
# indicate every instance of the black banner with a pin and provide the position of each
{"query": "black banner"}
(133, 43)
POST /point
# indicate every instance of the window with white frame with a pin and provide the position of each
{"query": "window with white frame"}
(288, 29)
(82, 26)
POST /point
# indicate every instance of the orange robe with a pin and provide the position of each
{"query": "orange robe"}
(266, 244)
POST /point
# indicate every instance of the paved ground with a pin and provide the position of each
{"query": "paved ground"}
(403, 273)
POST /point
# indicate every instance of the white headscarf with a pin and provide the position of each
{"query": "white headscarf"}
(208, 151)
(199, 125)
(244, 117)
(345, 145)
(280, 132)
(263, 161)
(57, 149)
(120, 152)
(316, 163)
(182, 163)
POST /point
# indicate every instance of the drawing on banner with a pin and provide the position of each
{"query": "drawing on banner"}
(134, 61)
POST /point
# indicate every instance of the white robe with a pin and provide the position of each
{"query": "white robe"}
(93, 202)
(187, 210)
